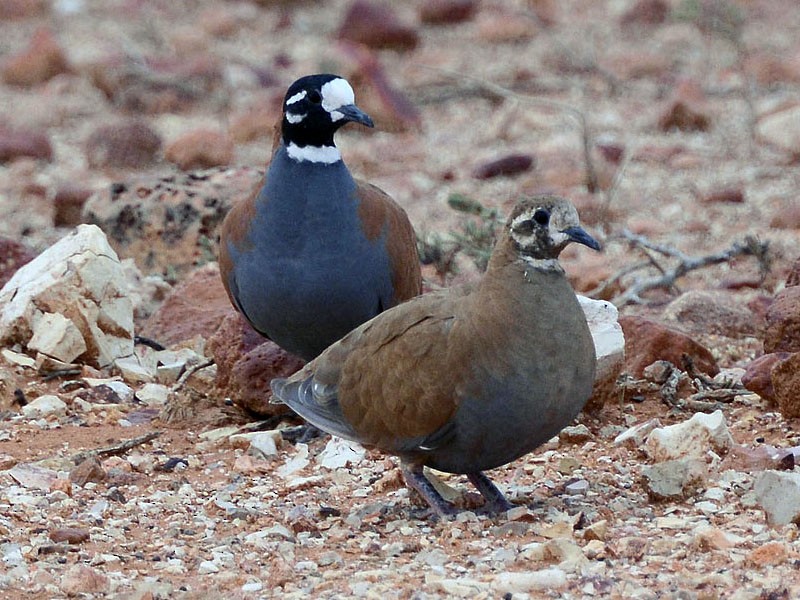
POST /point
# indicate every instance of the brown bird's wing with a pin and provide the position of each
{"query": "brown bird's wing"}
(383, 384)
(379, 214)
(234, 230)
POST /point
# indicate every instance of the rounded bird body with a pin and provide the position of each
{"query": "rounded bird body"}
(464, 380)
(314, 252)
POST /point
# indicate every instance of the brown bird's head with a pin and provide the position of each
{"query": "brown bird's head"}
(542, 226)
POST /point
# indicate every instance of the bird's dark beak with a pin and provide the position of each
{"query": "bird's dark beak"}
(352, 113)
(577, 234)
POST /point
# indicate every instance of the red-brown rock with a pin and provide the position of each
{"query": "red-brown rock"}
(787, 217)
(68, 203)
(687, 110)
(786, 383)
(728, 195)
(11, 10)
(13, 255)
(793, 278)
(390, 108)
(87, 471)
(783, 322)
(200, 149)
(719, 312)
(758, 375)
(251, 375)
(18, 143)
(231, 341)
(131, 144)
(70, 535)
(646, 12)
(42, 60)
(647, 341)
(441, 12)
(376, 26)
(511, 164)
(195, 307)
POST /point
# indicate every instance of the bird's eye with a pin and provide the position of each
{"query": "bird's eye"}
(315, 97)
(541, 216)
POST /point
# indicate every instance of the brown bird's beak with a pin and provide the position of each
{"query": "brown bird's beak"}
(579, 235)
(352, 113)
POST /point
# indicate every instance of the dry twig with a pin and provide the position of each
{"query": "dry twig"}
(116, 449)
(668, 275)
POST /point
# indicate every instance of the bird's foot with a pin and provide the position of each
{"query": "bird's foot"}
(301, 433)
(417, 481)
(496, 502)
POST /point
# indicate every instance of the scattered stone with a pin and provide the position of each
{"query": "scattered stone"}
(197, 306)
(44, 406)
(769, 554)
(596, 531)
(231, 341)
(389, 107)
(68, 203)
(153, 86)
(11, 10)
(42, 60)
(19, 143)
(630, 547)
(691, 439)
(575, 434)
(758, 375)
(724, 195)
(609, 345)
(646, 12)
(58, 337)
(674, 479)
(786, 385)
(13, 255)
(153, 394)
(169, 225)
(511, 164)
(781, 129)
(580, 486)
(503, 27)
(783, 322)
(788, 217)
(81, 278)
(712, 538)
(521, 582)
(131, 144)
(33, 476)
(87, 471)
(647, 341)
(635, 437)
(82, 579)
(134, 370)
(687, 110)
(717, 312)
(446, 12)
(376, 26)
(778, 494)
(261, 444)
(200, 149)
(658, 372)
(70, 535)
(339, 453)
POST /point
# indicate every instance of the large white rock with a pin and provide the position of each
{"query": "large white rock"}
(778, 493)
(80, 278)
(609, 341)
(57, 337)
(691, 439)
(781, 129)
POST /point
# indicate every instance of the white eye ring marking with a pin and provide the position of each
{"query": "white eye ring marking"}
(297, 97)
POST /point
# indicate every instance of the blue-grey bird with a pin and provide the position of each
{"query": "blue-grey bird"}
(314, 252)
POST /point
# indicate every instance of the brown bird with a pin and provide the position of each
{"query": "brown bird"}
(464, 380)
(314, 253)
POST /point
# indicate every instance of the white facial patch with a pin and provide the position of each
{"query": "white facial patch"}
(297, 97)
(335, 94)
(315, 154)
(294, 119)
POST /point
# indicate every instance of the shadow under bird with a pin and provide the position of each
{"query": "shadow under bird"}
(314, 252)
(464, 380)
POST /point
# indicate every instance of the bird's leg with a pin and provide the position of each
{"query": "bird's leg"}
(495, 500)
(416, 480)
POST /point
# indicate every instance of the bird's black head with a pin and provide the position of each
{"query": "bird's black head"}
(315, 107)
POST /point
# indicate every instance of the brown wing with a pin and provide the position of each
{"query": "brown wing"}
(383, 383)
(234, 231)
(379, 213)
